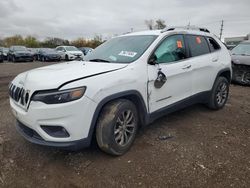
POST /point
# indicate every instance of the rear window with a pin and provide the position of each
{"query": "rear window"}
(214, 46)
(197, 45)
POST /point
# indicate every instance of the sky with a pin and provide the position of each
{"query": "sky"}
(71, 19)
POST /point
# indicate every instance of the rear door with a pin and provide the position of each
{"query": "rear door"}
(202, 63)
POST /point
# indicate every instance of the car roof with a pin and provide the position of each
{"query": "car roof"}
(186, 30)
(148, 32)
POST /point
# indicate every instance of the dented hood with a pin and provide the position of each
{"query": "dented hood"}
(53, 76)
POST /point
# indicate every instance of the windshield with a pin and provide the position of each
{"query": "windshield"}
(20, 48)
(241, 49)
(71, 48)
(124, 49)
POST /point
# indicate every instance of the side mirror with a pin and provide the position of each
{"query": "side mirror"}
(152, 60)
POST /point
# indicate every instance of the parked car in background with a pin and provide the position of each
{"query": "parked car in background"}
(127, 82)
(241, 63)
(4, 52)
(70, 53)
(1, 56)
(34, 51)
(85, 50)
(48, 54)
(19, 53)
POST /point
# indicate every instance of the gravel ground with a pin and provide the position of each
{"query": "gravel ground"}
(194, 147)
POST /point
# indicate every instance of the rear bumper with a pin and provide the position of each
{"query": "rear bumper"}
(33, 137)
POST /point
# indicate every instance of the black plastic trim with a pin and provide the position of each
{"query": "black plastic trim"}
(194, 99)
(72, 145)
(222, 71)
(114, 97)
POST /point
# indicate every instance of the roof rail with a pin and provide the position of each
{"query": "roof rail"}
(185, 28)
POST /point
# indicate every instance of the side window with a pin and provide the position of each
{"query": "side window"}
(171, 49)
(213, 44)
(198, 45)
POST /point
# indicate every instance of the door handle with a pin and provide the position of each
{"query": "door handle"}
(214, 59)
(187, 67)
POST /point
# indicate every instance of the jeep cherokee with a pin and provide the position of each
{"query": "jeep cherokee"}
(127, 82)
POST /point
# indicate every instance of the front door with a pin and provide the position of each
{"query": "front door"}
(170, 79)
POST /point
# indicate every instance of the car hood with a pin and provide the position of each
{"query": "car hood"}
(241, 59)
(54, 76)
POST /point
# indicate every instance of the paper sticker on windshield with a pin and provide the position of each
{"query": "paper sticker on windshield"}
(198, 40)
(179, 44)
(127, 54)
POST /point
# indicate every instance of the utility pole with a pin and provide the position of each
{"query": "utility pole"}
(221, 28)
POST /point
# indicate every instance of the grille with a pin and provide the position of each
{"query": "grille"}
(18, 94)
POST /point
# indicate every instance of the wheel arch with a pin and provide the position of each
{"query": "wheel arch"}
(225, 73)
(132, 95)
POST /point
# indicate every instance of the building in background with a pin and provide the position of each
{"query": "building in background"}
(233, 41)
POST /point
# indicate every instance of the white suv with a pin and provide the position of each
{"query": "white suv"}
(125, 83)
(70, 53)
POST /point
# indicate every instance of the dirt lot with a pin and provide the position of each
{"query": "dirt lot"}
(206, 149)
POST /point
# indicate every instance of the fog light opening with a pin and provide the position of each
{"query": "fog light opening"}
(55, 131)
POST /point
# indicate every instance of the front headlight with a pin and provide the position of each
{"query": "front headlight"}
(57, 97)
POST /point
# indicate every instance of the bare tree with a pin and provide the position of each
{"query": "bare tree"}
(150, 24)
(160, 24)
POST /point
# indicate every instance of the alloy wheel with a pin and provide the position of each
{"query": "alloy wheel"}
(124, 128)
(222, 93)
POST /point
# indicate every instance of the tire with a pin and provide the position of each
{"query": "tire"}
(13, 59)
(219, 94)
(66, 57)
(112, 136)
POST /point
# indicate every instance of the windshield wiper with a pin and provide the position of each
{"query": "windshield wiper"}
(99, 60)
